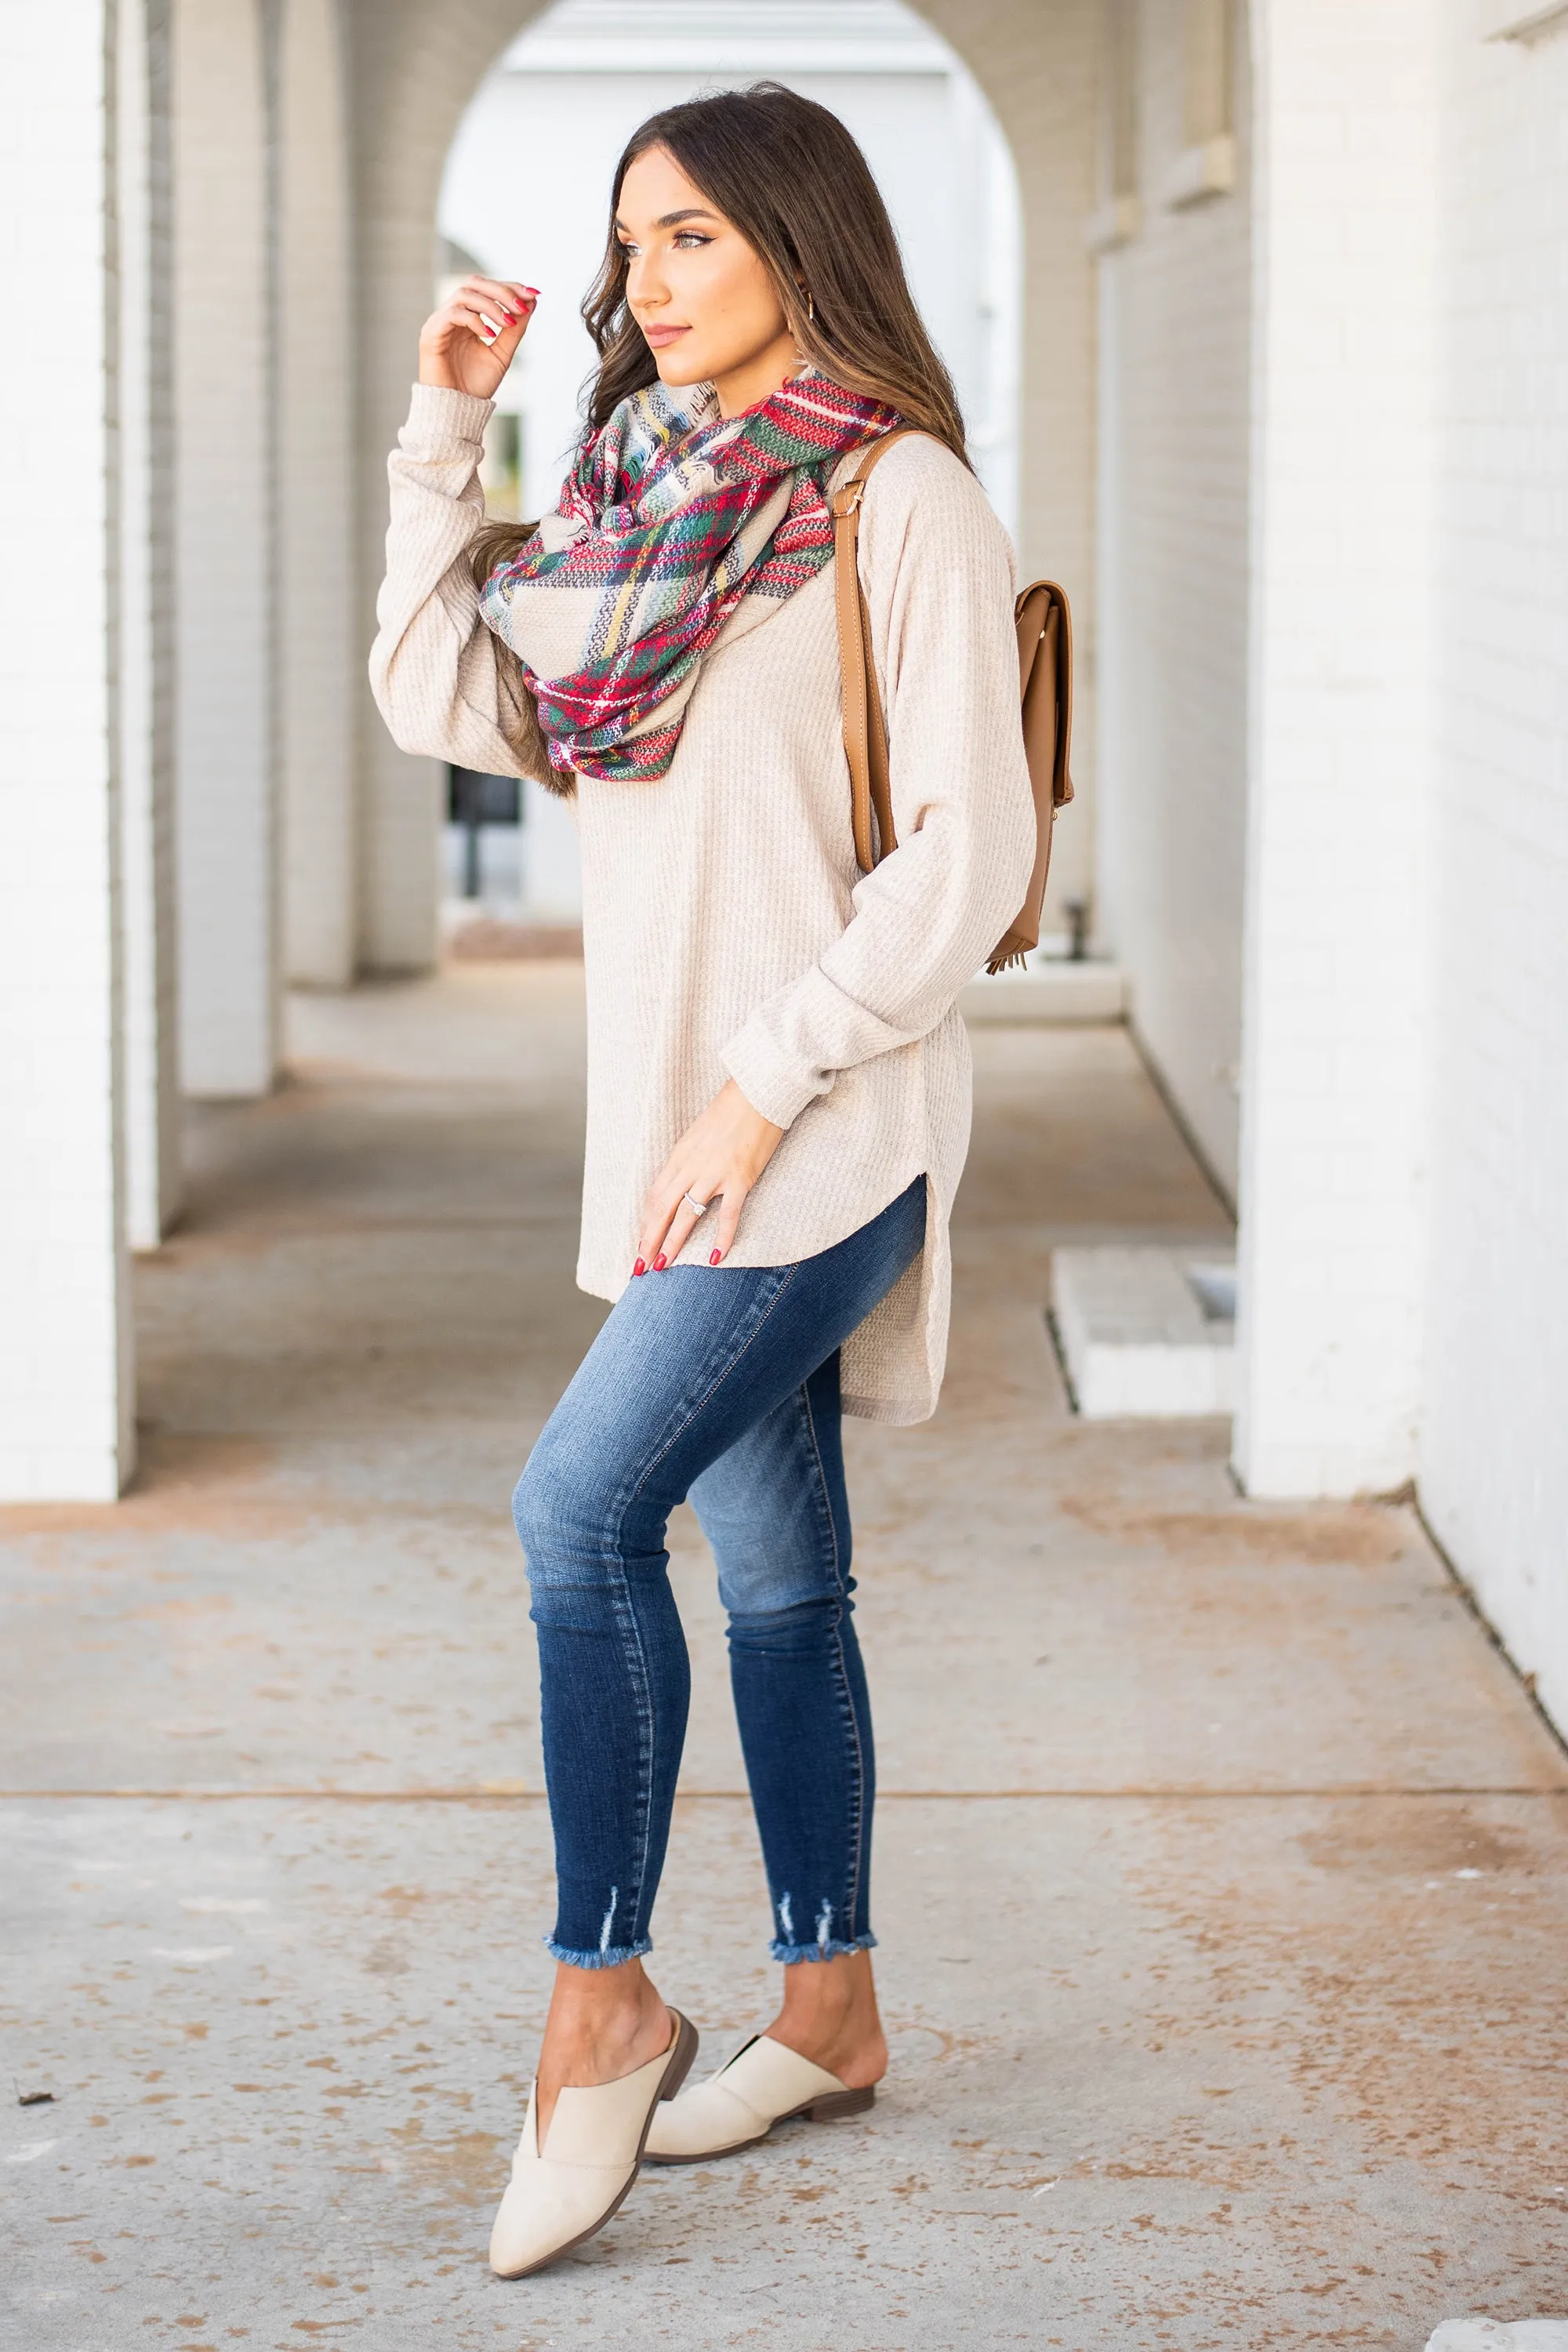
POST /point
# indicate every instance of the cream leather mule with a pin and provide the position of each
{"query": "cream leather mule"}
(561, 2194)
(763, 2084)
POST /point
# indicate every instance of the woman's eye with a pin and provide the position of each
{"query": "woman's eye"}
(627, 248)
(690, 236)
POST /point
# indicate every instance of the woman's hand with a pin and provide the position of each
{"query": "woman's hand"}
(469, 342)
(719, 1158)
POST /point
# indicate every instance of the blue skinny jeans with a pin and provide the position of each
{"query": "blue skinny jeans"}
(719, 1383)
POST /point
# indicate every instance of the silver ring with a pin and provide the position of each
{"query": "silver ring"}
(697, 1208)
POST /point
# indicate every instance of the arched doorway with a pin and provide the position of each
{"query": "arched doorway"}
(414, 80)
(523, 195)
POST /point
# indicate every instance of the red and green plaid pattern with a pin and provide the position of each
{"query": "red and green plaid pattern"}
(668, 518)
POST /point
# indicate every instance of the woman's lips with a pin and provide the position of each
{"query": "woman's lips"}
(658, 337)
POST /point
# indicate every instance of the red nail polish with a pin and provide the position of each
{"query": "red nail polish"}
(640, 1267)
(713, 1256)
(659, 1263)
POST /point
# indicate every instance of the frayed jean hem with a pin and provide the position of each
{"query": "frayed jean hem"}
(832, 1950)
(608, 1956)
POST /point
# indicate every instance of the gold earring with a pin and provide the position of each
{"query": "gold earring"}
(810, 305)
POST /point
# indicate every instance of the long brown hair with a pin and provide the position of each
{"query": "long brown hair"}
(794, 183)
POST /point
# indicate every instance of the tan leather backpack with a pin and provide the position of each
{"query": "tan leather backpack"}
(1045, 691)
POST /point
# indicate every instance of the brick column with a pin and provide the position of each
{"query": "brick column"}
(152, 1179)
(66, 1426)
(1037, 61)
(320, 655)
(1333, 1094)
(227, 832)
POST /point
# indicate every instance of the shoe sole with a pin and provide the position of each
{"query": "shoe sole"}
(836, 2107)
(674, 2074)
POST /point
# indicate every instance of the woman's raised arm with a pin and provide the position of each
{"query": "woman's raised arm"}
(444, 683)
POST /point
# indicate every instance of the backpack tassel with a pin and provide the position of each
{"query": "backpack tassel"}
(1008, 951)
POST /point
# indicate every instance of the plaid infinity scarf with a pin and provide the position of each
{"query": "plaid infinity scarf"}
(670, 516)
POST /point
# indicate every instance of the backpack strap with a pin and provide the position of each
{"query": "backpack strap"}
(864, 729)
(1044, 625)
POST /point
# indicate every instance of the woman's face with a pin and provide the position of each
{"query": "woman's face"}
(701, 294)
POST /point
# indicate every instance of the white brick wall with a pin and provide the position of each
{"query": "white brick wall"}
(1174, 395)
(227, 835)
(66, 1425)
(1404, 1151)
(1333, 1160)
(320, 665)
(1494, 1455)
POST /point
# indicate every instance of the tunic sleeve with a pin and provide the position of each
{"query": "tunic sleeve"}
(938, 574)
(443, 683)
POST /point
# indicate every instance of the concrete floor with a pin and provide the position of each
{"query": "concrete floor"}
(1221, 1864)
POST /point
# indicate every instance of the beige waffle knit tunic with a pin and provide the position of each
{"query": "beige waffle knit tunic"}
(728, 932)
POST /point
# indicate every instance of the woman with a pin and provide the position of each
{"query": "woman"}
(778, 1078)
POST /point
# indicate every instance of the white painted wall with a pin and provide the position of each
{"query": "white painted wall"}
(67, 1426)
(1175, 410)
(317, 666)
(1334, 1141)
(225, 755)
(1494, 1455)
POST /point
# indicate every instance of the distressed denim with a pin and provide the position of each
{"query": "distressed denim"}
(719, 1383)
